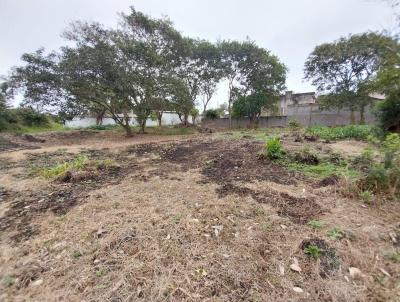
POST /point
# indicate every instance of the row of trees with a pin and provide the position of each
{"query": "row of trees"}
(144, 66)
(147, 67)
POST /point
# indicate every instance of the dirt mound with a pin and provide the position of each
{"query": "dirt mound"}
(298, 209)
(329, 181)
(33, 139)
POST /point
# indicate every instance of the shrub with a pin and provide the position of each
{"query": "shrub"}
(313, 250)
(294, 125)
(366, 196)
(31, 118)
(384, 177)
(274, 148)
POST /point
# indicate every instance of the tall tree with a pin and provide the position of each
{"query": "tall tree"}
(38, 79)
(342, 69)
(210, 71)
(251, 70)
(232, 54)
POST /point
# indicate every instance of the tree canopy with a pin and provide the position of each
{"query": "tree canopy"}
(143, 66)
(343, 69)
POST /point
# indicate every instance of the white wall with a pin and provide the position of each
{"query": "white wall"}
(168, 119)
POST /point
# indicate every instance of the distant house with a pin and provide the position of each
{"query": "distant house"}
(289, 101)
(293, 104)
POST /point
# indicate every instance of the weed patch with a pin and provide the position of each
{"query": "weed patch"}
(360, 132)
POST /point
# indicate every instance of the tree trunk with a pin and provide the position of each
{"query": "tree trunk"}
(362, 115)
(185, 119)
(128, 130)
(142, 125)
(159, 117)
(352, 117)
(99, 117)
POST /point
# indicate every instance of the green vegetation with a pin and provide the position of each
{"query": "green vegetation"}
(384, 177)
(294, 125)
(335, 234)
(211, 114)
(100, 272)
(324, 169)
(26, 120)
(394, 256)
(313, 251)
(360, 132)
(366, 196)
(274, 148)
(76, 254)
(316, 224)
(78, 163)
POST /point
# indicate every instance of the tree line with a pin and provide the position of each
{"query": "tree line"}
(146, 67)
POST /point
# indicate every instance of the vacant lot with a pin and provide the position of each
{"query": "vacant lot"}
(93, 216)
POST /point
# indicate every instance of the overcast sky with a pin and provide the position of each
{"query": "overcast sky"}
(288, 28)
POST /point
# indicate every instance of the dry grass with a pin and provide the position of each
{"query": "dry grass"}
(160, 232)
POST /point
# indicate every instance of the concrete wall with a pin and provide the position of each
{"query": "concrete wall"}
(168, 119)
(305, 114)
(264, 122)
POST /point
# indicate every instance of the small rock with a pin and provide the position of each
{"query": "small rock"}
(295, 267)
(96, 261)
(226, 256)
(393, 236)
(355, 272)
(298, 290)
(284, 227)
(281, 270)
(37, 282)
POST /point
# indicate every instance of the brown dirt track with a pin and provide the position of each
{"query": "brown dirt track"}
(182, 219)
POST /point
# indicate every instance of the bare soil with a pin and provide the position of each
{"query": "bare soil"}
(194, 218)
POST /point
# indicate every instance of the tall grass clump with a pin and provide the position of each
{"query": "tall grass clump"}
(274, 148)
(79, 163)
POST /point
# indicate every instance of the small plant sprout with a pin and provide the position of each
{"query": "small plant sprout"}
(335, 234)
(178, 218)
(76, 254)
(100, 272)
(316, 224)
(366, 196)
(265, 226)
(395, 256)
(313, 251)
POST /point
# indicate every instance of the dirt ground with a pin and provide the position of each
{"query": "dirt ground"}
(185, 218)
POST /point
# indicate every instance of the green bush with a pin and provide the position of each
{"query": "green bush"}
(384, 177)
(360, 132)
(294, 125)
(211, 114)
(31, 118)
(274, 148)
